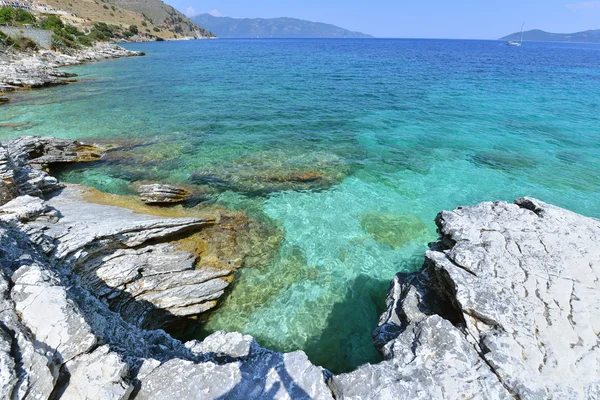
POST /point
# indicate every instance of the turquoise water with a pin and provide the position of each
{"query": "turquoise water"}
(351, 147)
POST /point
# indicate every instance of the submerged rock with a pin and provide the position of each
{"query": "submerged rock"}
(163, 194)
(273, 171)
(394, 230)
(506, 306)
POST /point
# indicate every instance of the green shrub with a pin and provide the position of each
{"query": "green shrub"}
(133, 29)
(52, 22)
(85, 41)
(15, 16)
(105, 6)
(63, 43)
(144, 23)
(155, 29)
(72, 30)
(6, 40)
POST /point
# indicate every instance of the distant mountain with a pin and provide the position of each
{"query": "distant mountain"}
(591, 36)
(226, 27)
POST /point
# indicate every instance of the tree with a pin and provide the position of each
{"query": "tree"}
(133, 29)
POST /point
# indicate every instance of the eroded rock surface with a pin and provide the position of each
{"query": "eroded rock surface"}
(59, 340)
(24, 160)
(507, 306)
(163, 194)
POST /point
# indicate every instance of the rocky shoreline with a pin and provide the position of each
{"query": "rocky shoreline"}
(40, 69)
(507, 304)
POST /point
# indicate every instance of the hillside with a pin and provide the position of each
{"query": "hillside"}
(537, 35)
(227, 27)
(152, 17)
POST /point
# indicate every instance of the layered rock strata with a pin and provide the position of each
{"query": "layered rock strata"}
(130, 260)
(163, 194)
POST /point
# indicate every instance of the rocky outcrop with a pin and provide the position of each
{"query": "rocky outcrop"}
(36, 70)
(257, 374)
(127, 259)
(506, 306)
(58, 340)
(79, 295)
(163, 194)
(24, 162)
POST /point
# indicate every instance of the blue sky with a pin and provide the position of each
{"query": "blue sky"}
(470, 19)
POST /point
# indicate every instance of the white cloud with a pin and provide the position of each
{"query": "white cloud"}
(190, 12)
(586, 5)
(215, 13)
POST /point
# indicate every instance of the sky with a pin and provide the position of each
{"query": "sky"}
(470, 19)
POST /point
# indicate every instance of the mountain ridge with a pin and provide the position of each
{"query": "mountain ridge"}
(282, 27)
(538, 35)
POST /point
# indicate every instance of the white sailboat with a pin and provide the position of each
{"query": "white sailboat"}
(519, 43)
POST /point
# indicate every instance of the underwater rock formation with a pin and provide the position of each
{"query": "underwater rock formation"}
(273, 171)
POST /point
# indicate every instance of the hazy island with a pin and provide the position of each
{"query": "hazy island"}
(226, 27)
(537, 35)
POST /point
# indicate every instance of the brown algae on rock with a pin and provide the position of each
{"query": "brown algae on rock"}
(230, 241)
(266, 172)
(394, 230)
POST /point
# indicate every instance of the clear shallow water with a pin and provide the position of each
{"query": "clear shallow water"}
(394, 130)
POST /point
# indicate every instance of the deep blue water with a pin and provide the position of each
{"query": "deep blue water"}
(393, 130)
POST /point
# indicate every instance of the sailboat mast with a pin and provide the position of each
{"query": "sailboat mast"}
(522, 26)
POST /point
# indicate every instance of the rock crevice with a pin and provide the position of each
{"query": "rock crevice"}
(488, 261)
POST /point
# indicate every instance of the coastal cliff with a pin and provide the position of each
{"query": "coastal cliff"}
(505, 306)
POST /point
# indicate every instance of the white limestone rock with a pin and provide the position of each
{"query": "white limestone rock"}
(43, 305)
(126, 256)
(518, 288)
(101, 374)
(236, 367)
(27, 208)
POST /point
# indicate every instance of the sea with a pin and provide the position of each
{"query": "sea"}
(350, 148)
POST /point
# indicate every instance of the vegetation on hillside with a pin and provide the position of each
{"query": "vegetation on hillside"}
(15, 16)
(65, 36)
(153, 18)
